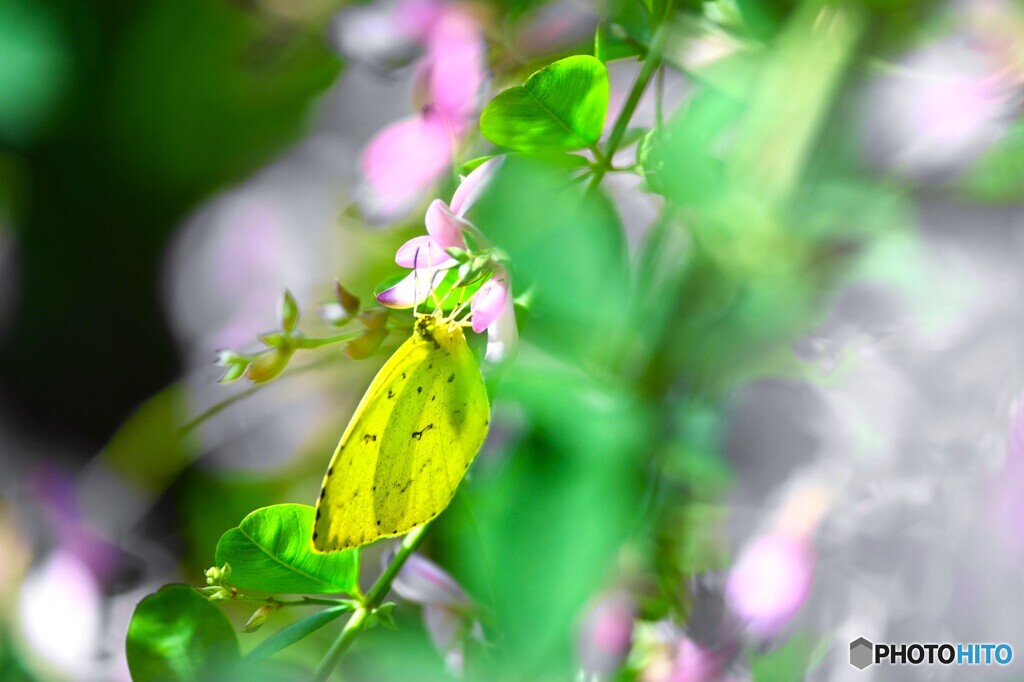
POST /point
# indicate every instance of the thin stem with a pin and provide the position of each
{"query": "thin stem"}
(643, 79)
(348, 635)
(306, 343)
(305, 601)
(370, 603)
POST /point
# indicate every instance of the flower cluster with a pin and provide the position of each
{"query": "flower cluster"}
(410, 155)
(445, 247)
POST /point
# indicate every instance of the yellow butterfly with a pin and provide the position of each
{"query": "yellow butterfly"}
(410, 441)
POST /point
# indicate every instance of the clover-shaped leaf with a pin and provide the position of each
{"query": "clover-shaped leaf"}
(272, 551)
(176, 634)
(560, 108)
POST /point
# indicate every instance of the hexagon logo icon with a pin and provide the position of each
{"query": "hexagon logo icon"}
(861, 653)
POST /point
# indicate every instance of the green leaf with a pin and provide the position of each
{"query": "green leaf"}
(791, 661)
(560, 107)
(473, 164)
(300, 629)
(176, 634)
(272, 551)
(998, 175)
(612, 41)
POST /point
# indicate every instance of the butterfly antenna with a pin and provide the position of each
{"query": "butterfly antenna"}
(430, 283)
(416, 283)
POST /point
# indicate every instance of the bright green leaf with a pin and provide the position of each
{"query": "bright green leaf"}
(176, 634)
(300, 629)
(272, 551)
(560, 107)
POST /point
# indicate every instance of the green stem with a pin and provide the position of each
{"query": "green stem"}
(643, 79)
(305, 601)
(371, 601)
(307, 343)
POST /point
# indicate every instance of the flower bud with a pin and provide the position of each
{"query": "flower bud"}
(268, 365)
(234, 362)
(375, 319)
(363, 345)
(217, 576)
(258, 618)
(289, 313)
(334, 314)
(349, 302)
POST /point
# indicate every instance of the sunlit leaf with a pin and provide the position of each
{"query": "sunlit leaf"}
(176, 634)
(272, 551)
(562, 106)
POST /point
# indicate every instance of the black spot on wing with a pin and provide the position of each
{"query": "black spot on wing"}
(417, 435)
(451, 378)
(368, 438)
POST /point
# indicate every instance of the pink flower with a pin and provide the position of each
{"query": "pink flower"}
(408, 156)
(607, 634)
(447, 610)
(404, 158)
(694, 663)
(491, 308)
(1005, 504)
(770, 583)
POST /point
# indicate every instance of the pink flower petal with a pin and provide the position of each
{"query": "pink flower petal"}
(423, 582)
(417, 18)
(406, 158)
(695, 664)
(412, 290)
(770, 583)
(423, 252)
(490, 301)
(455, 67)
(443, 226)
(502, 335)
(474, 184)
(444, 627)
(607, 633)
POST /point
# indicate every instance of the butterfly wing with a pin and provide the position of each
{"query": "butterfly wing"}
(408, 446)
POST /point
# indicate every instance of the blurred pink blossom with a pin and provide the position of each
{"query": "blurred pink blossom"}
(940, 108)
(607, 634)
(405, 158)
(770, 582)
(694, 663)
(1006, 504)
(408, 156)
(447, 609)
